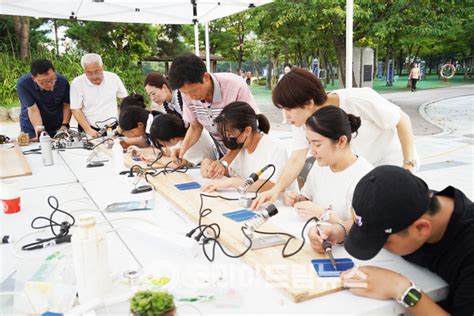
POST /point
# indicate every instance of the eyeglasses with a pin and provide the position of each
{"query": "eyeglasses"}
(50, 81)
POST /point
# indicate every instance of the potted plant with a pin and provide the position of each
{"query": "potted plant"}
(149, 303)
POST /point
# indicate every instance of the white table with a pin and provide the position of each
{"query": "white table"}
(155, 239)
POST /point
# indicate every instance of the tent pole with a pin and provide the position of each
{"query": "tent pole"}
(208, 55)
(349, 22)
(196, 38)
(196, 28)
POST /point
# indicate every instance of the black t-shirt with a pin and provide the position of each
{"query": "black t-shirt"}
(452, 258)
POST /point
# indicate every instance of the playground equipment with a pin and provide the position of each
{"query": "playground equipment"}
(447, 71)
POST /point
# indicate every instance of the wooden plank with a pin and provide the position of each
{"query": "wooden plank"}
(295, 275)
(13, 162)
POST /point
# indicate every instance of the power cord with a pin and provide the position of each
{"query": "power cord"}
(60, 236)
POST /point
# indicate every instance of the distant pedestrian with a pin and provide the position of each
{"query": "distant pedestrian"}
(414, 76)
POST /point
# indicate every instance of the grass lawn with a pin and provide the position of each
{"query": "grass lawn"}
(262, 95)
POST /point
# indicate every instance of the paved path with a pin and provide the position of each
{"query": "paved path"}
(410, 102)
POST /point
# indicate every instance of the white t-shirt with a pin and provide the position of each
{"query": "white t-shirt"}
(203, 148)
(335, 189)
(97, 102)
(269, 151)
(377, 139)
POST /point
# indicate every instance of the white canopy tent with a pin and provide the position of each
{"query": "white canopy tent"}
(153, 11)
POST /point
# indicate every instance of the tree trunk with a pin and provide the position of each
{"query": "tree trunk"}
(22, 30)
(340, 45)
(400, 62)
(56, 38)
(269, 71)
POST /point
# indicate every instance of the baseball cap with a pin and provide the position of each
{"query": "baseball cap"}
(386, 201)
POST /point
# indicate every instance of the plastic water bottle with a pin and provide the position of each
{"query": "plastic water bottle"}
(117, 157)
(91, 261)
(46, 149)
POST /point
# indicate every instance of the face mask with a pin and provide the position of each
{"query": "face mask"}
(232, 143)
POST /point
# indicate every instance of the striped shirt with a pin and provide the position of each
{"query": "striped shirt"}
(227, 88)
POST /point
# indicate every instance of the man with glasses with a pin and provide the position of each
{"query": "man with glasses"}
(44, 98)
(94, 96)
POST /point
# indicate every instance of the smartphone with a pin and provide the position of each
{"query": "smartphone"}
(325, 269)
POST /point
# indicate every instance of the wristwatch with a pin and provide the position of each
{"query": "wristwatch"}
(410, 297)
(66, 124)
(224, 163)
(410, 162)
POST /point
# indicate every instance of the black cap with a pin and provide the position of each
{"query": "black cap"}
(271, 210)
(386, 201)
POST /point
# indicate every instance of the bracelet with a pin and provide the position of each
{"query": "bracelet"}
(345, 232)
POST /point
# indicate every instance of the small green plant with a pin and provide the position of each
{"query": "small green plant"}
(149, 303)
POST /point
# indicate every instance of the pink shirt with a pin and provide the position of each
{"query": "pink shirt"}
(227, 88)
(415, 73)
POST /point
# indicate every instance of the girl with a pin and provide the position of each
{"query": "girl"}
(135, 123)
(332, 179)
(167, 131)
(241, 128)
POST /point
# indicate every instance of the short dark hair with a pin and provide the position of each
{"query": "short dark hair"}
(133, 100)
(131, 116)
(166, 127)
(433, 209)
(40, 66)
(239, 115)
(297, 88)
(186, 68)
(333, 122)
(155, 79)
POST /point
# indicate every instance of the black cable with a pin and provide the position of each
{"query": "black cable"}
(265, 182)
(59, 237)
(106, 120)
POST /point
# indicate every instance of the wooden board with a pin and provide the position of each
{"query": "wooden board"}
(13, 162)
(295, 275)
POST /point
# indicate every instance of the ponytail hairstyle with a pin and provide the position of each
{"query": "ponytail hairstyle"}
(130, 116)
(165, 127)
(239, 115)
(133, 100)
(332, 122)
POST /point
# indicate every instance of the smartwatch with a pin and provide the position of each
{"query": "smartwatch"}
(410, 297)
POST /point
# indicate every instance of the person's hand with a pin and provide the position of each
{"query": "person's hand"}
(308, 209)
(63, 128)
(408, 166)
(134, 150)
(317, 235)
(92, 132)
(216, 170)
(218, 184)
(375, 282)
(176, 156)
(267, 197)
(290, 198)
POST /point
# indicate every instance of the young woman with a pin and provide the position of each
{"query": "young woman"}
(159, 91)
(337, 170)
(241, 128)
(167, 131)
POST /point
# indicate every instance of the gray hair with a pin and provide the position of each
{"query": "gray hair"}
(91, 59)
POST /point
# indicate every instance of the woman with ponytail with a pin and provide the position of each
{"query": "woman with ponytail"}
(337, 169)
(242, 129)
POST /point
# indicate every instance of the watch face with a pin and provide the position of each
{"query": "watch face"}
(412, 297)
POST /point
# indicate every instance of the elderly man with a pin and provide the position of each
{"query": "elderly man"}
(44, 98)
(94, 96)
